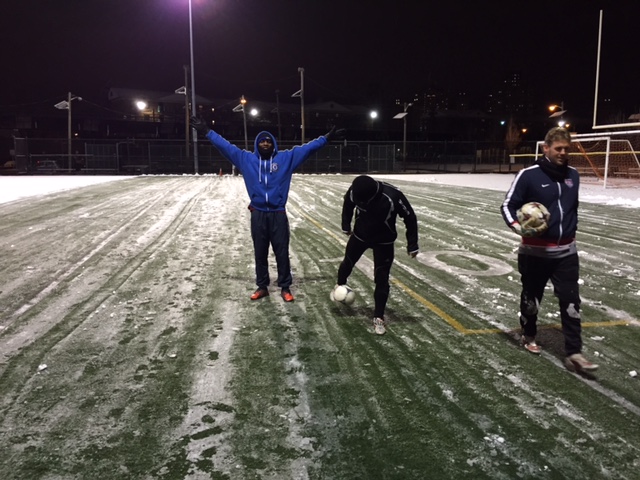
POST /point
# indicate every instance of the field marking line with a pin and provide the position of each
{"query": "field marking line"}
(607, 392)
(434, 308)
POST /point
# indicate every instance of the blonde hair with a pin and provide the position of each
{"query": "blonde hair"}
(557, 134)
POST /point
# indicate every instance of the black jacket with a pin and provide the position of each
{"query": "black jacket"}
(375, 223)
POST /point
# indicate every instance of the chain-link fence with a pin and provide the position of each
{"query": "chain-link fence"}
(135, 156)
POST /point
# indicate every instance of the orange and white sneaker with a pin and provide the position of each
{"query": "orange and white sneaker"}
(286, 295)
(259, 293)
(577, 363)
(529, 343)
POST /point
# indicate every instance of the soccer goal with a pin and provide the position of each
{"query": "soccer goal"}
(612, 158)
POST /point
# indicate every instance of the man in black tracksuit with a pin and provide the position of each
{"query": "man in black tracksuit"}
(377, 205)
(551, 253)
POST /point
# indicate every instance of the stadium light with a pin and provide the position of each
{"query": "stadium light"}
(66, 105)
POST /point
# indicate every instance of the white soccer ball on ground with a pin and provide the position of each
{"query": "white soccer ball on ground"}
(342, 294)
(533, 215)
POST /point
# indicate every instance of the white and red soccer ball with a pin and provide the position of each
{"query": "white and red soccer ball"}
(533, 214)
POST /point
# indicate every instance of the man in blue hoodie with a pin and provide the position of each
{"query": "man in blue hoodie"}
(550, 252)
(267, 174)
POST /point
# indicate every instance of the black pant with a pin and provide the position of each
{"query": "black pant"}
(564, 274)
(382, 261)
(271, 228)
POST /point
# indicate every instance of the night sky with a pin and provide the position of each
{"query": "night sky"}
(352, 51)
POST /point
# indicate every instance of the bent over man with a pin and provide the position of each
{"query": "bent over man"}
(377, 206)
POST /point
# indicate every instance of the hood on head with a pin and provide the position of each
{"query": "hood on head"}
(259, 137)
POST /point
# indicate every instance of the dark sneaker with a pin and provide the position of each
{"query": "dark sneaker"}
(286, 295)
(529, 343)
(259, 293)
(577, 363)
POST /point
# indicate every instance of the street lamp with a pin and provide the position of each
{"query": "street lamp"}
(193, 94)
(558, 111)
(403, 115)
(373, 114)
(66, 105)
(300, 94)
(240, 108)
(183, 91)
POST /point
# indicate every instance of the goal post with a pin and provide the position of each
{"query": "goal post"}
(612, 158)
(635, 116)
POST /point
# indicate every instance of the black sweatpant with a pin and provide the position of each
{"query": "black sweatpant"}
(563, 273)
(271, 229)
(382, 261)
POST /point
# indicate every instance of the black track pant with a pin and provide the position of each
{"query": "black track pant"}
(382, 261)
(563, 273)
(271, 229)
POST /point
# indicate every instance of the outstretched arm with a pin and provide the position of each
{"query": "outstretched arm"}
(227, 149)
(302, 152)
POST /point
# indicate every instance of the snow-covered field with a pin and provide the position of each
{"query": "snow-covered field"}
(129, 347)
(13, 188)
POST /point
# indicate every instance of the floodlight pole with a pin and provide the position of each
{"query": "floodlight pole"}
(243, 102)
(66, 105)
(194, 109)
(278, 112)
(300, 93)
(301, 70)
(403, 116)
(69, 130)
(404, 134)
(186, 112)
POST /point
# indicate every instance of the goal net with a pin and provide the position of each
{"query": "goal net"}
(611, 158)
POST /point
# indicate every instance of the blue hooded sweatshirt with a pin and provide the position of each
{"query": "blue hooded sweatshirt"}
(267, 180)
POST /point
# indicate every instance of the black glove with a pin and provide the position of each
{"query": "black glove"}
(200, 125)
(334, 134)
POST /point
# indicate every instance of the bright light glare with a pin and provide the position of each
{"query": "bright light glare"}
(254, 112)
(141, 104)
(373, 114)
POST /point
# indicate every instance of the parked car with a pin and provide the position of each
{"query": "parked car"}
(47, 166)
